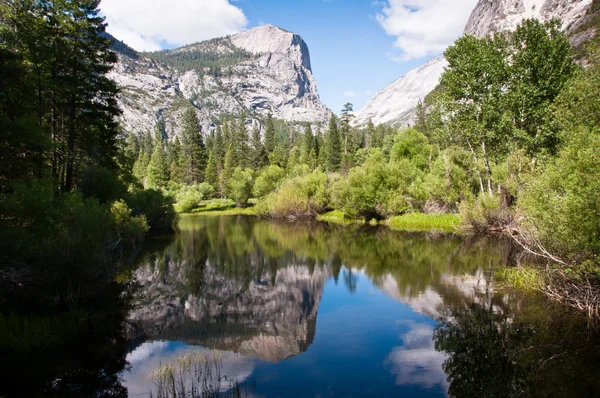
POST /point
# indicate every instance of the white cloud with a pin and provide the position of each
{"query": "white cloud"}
(148, 25)
(417, 362)
(424, 27)
(350, 94)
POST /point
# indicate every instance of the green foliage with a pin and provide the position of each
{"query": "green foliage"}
(334, 145)
(268, 180)
(240, 186)
(193, 152)
(156, 207)
(561, 200)
(299, 197)
(366, 188)
(451, 179)
(191, 196)
(56, 246)
(485, 213)
(158, 174)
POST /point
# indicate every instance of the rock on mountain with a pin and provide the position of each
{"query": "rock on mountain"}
(495, 16)
(259, 71)
(396, 103)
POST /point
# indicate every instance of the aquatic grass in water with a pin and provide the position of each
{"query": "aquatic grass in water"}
(195, 374)
(425, 222)
(528, 279)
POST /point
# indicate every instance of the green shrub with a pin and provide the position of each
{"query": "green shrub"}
(485, 214)
(240, 186)
(268, 180)
(191, 196)
(156, 207)
(450, 180)
(62, 248)
(299, 197)
(562, 201)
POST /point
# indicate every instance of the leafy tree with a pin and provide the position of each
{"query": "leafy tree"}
(540, 67)
(268, 180)
(240, 186)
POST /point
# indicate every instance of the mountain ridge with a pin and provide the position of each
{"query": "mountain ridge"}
(261, 71)
(487, 17)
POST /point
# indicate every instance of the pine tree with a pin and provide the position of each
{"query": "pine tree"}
(227, 172)
(240, 142)
(176, 170)
(370, 134)
(258, 150)
(334, 145)
(67, 60)
(219, 146)
(158, 169)
(308, 145)
(211, 175)
(270, 138)
(193, 152)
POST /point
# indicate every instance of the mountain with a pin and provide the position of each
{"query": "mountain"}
(396, 103)
(259, 71)
(271, 317)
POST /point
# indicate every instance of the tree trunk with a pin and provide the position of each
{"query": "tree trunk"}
(477, 167)
(488, 171)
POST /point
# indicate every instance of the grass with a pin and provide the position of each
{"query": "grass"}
(337, 217)
(219, 207)
(523, 278)
(425, 222)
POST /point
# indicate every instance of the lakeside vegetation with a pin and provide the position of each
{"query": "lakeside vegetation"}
(506, 142)
(71, 211)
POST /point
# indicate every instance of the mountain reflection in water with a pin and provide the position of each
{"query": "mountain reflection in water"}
(312, 309)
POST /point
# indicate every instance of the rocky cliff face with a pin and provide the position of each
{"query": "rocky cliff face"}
(260, 71)
(396, 103)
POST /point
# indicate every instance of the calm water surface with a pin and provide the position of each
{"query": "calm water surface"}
(311, 310)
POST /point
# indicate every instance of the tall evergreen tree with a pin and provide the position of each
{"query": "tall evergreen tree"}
(158, 169)
(75, 101)
(308, 145)
(193, 152)
(176, 169)
(370, 134)
(270, 135)
(334, 145)
(211, 175)
(258, 150)
(228, 169)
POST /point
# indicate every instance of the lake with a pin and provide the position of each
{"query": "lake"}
(239, 306)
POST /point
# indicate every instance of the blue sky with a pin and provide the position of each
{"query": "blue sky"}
(357, 46)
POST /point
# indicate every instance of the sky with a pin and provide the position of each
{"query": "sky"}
(357, 47)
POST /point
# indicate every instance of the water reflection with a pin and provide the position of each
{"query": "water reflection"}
(355, 310)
